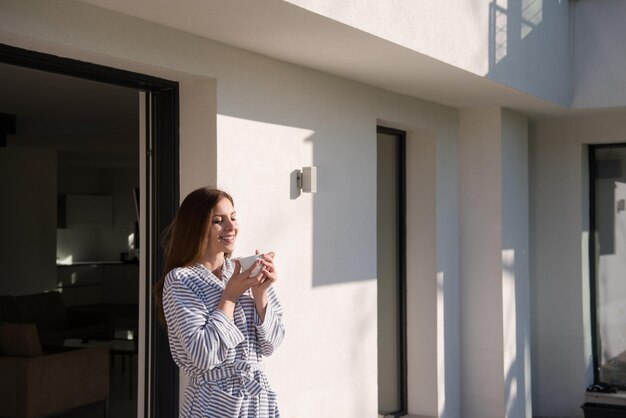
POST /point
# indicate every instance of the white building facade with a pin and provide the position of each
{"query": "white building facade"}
(499, 100)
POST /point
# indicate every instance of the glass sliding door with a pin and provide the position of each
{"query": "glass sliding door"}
(391, 273)
(159, 388)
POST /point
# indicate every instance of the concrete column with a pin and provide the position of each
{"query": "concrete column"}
(421, 310)
(198, 134)
(493, 200)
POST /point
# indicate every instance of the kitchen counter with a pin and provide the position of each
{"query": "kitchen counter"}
(95, 263)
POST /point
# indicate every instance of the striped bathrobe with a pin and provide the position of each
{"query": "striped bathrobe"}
(222, 357)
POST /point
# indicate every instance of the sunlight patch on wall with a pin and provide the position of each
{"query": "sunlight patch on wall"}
(509, 328)
(441, 364)
(500, 27)
(532, 15)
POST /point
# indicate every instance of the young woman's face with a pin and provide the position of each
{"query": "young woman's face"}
(224, 228)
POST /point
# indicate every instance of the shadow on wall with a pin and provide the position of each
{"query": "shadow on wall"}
(510, 22)
(344, 209)
(524, 52)
(344, 212)
(341, 144)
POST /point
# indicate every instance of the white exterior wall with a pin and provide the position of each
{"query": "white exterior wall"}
(422, 306)
(198, 134)
(561, 335)
(520, 43)
(599, 53)
(273, 118)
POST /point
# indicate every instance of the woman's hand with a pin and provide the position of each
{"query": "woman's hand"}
(259, 292)
(237, 285)
(269, 272)
(242, 281)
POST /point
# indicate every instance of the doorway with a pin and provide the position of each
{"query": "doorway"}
(158, 200)
(69, 247)
(391, 272)
(607, 262)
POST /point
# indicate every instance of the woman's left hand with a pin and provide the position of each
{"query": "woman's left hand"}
(268, 277)
(269, 272)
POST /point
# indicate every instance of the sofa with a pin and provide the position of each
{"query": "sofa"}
(37, 382)
(53, 320)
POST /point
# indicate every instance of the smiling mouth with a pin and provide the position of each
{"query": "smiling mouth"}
(227, 239)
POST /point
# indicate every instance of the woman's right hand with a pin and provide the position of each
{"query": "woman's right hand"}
(237, 285)
(241, 281)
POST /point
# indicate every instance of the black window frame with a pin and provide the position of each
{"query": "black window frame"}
(401, 205)
(591, 161)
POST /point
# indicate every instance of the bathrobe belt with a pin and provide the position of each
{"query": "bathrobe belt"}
(240, 369)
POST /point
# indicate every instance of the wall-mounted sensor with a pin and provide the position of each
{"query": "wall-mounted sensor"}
(307, 179)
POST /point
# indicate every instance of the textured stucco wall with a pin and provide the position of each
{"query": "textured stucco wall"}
(599, 53)
(524, 44)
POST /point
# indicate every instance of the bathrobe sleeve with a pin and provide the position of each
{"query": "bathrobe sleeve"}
(205, 336)
(271, 331)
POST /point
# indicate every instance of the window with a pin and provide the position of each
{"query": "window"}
(391, 277)
(608, 262)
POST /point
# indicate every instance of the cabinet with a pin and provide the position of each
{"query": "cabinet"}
(85, 211)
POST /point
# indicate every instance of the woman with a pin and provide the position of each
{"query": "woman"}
(220, 321)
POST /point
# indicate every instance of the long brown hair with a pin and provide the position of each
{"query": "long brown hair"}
(185, 239)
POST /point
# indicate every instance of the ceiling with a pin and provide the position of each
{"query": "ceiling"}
(89, 123)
